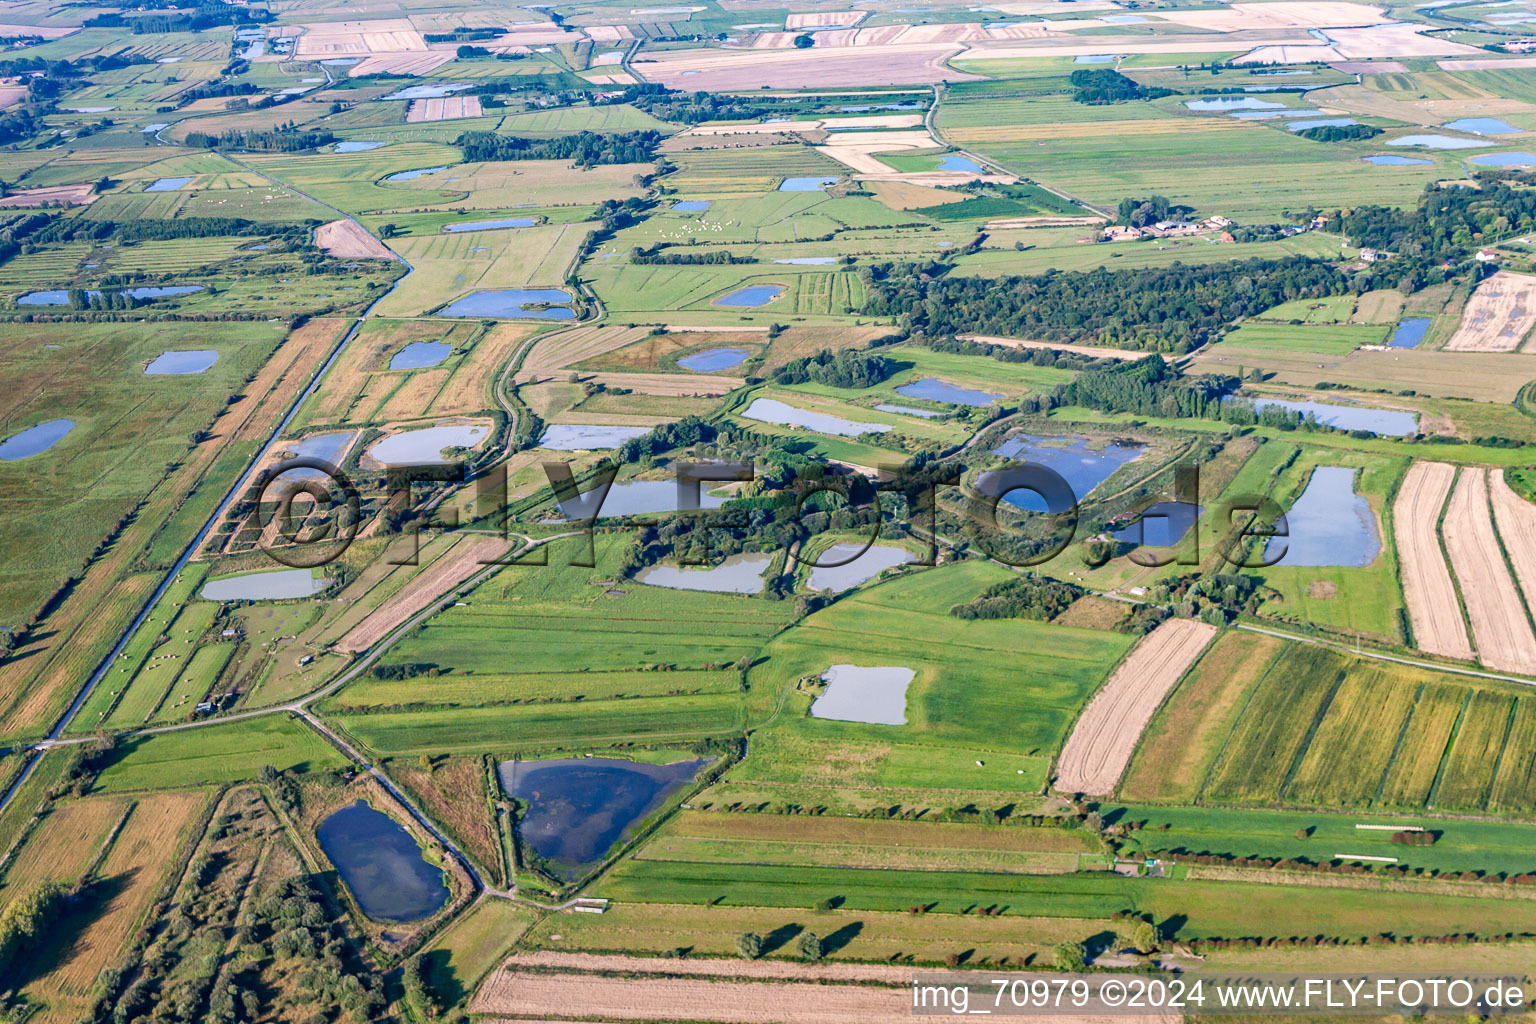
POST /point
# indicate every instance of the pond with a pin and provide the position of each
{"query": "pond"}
(60, 296)
(1410, 332)
(1482, 126)
(1393, 160)
(1387, 422)
(317, 446)
(425, 447)
(808, 261)
(770, 410)
(578, 808)
(1161, 524)
(907, 410)
(413, 175)
(341, 62)
(875, 694)
(1438, 142)
(751, 296)
(1234, 103)
(714, 359)
(1322, 122)
(874, 561)
(1082, 467)
(159, 126)
(1329, 524)
(934, 390)
(428, 92)
(579, 437)
(188, 361)
(639, 497)
(491, 225)
(956, 162)
(1264, 115)
(512, 302)
(381, 864)
(1094, 58)
(1505, 159)
(357, 146)
(35, 439)
(168, 184)
(805, 184)
(277, 585)
(737, 574)
(419, 355)
(691, 206)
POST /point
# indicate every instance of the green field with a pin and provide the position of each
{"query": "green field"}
(217, 754)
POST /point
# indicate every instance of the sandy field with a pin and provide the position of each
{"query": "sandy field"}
(399, 64)
(1516, 520)
(1106, 735)
(1433, 609)
(674, 385)
(723, 70)
(1096, 351)
(1498, 316)
(347, 238)
(825, 18)
(448, 571)
(1499, 626)
(447, 108)
(555, 351)
(1487, 64)
(73, 195)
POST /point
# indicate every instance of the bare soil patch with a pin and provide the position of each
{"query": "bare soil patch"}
(450, 570)
(1499, 315)
(348, 238)
(1094, 351)
(1322, 590)
(70, 195)
(1433, 609)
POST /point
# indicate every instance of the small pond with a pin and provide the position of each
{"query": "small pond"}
(956, 162)
(1082, 467)
(1393, 160)
(737, 574)
(381, 864)
(1505, 159)
(356, 146)
(278, 585)
(691, 206)
(491, 225)
(1094, 58)
(805, 184)
(771, 410)
(639, 497)
(35, 440)
(578, 808)
(579, 437)
(60, 296)
(934, 390)
(317, 446)
(419, 355)
(512, 302)
(428, 92)
(808, 261)
(907, 410)
(188, 361)
(341, 62)
(875, 694)
(751, 296)
(150, 129)
(837, 578)
(169, 184)
(1234, 103)
(1482, 126)
(1322, 122)
(1410, 332)
(1329, 524)
(413, 175)
(714, 359)
(1438, 142)
(1161, 524)
(1388, 422)
(425, 447)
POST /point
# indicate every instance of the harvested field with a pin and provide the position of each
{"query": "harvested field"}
(1018, 223)
(1285, 14)
(1499, 315)
(1499, 626)
(1101, 744)
(1096, 351)
(901, 195)
(1487, 64)
(570, 347)
(623, 78)
(1433, 610)
(353, 38)
(1396, 40)
(64, 842)
(722, 71)
(446, 108)
(825, 18)
(676, 385)
(858, 150)
(74, 195)
(451, 568)
(400, 64)
(607, 33)
(347, 237)
(11, 95)
(1380, 67)
(1516, 520)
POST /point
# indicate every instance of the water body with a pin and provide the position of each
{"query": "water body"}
(907, 410)
(60, 296)
(1438, 142)
(1410, 332)
(428, 92)
(318, 446)
(89, 110)
(188, 361)
(808, 261)
(169, 184)
(1505, 159)
(382, 864)
(805, 184)
(577, 437)
(866, 107)
(281, 584)
(751, 296)
(425, 447)
(712, 360)
(35, 440)
(510, 302)
(356, 147)
(1161, 524)
(1482, 126)
(150, 129)
(771, 410)
(1265, 115)
(253, 51)
(1349, 417)
(1225, 103)
(419, 355)
(934, 390)
(1082, 467)
(1122, 19)
(578, 808)
(837, 578)
(1393, 160)
(413, 175)
(691, 206)
(1329, 524)
(341, 62)
(738, 574)
(1324, 122)
(491, 225)
(955, 162)
(877, 694)
(641, 497)
(1094, 58)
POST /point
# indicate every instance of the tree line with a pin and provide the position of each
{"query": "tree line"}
(587, 149)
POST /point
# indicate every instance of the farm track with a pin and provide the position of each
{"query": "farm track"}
(1433, 608)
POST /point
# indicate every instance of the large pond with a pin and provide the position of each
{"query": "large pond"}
(35, 440)
(490, 225)
(1393, 160)
(712, 360)
(638, 497)
(187, 361)
(956, 162)
(907, 410)
(581, 437)
(1329, 524)
(317, 446)
(1082, 467)
(751, 295)
(60, 296)
(578, 808)
(512, 302)
(169, 185)
(418, 172)
(419, 355)
(808, 261)
(691, 206)
(1410, 332)
(1482, 126)
(356, 146)
(1438, 142)
(382, 864)
(827, 575)
(934, 390)
(1161, 524)
(737, 574)
(1348, 417)
(805, 184)
(1225, 103)
(771, 410)
(1505, 160)
(428, 92)
(875, 694)
(1321, 122)
(425, 447)
(278, 585)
